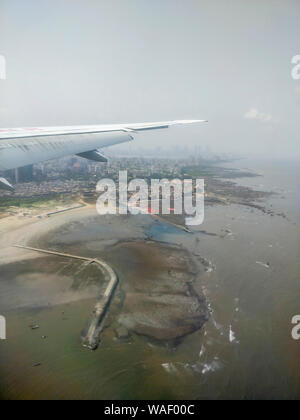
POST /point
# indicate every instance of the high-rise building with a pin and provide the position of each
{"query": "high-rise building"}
(20, 175)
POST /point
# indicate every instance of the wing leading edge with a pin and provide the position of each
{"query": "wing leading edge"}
(14, 133)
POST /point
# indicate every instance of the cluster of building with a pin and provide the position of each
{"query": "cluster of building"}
(80, 176)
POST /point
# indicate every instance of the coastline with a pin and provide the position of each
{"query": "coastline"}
(32, 232)
(246, 302)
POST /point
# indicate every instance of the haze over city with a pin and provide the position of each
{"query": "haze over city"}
(107, 62)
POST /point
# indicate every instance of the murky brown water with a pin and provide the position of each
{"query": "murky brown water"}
(245, 350)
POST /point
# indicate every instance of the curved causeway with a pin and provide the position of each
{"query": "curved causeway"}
(91, 336)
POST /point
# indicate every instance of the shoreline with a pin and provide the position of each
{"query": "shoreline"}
(28, 236)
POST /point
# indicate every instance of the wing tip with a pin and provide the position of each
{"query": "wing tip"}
(190, 121)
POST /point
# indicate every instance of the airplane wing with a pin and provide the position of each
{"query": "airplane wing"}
(26, 146)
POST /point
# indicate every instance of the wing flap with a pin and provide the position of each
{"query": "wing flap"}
(94, 155)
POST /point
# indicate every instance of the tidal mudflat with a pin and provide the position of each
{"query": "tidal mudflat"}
(156, 295)
(194, 316)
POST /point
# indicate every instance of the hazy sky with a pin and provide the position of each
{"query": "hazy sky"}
(106, 61)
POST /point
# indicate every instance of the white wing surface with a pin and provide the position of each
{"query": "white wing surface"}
(25, 146)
